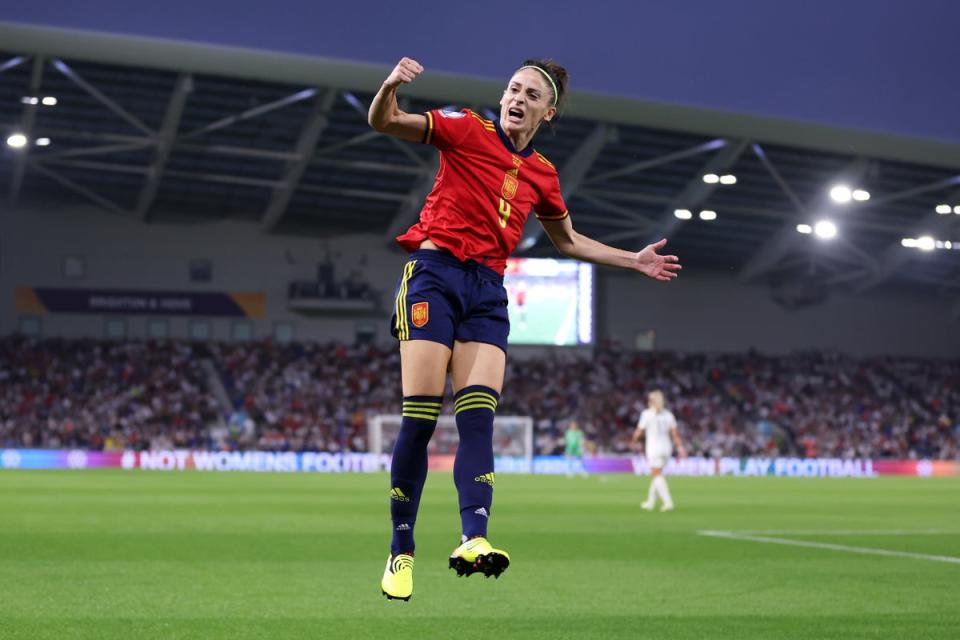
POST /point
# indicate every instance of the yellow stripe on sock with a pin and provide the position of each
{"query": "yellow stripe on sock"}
(475, 394)
(474, 404)
(476, 399)
(471, 405)
(477, 405)
(428, 412)
(414, 403)
(422, 416)
(486, 401)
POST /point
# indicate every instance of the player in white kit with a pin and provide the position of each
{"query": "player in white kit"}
(661, 428)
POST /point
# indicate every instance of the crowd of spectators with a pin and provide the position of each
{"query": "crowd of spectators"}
(305, 396)
(297, 397)
(816, 404)
(89, 394)
(606, 393)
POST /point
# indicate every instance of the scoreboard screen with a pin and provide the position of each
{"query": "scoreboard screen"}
(551, 301)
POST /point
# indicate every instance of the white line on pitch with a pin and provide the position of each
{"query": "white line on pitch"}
(848, 532)
(833, 547)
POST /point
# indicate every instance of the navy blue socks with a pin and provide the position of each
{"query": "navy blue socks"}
(473, 474)
(475, 407)
(408, 471)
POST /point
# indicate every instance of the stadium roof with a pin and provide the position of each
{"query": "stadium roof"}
(170, 131)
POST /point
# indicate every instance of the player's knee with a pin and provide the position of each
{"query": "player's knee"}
(417, 434)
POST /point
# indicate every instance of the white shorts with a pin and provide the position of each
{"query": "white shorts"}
(658, 462)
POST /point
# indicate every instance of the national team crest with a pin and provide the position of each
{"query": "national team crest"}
(420, 314)
(509, 188)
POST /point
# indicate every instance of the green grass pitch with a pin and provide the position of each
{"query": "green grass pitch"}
(113, 554)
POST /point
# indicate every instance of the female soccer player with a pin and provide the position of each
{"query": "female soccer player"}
(660, 427)
(450, 310)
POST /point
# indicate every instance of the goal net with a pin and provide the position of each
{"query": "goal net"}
(512, 439)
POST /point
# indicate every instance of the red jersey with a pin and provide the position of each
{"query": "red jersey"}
(484, 191)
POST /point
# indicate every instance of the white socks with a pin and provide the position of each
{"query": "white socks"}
(659, 487)
(652, 493)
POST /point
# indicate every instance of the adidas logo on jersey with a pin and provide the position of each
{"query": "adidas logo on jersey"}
(403, 526)
(396, 494)
(482, 511)
(486, 478)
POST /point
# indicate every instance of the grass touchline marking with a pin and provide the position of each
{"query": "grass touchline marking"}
(826, 545)
(845, 532)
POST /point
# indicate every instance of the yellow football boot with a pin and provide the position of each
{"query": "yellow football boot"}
(476, 555)
(397, 583)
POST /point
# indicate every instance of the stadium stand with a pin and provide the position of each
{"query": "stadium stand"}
(89, 394)
(308, 396)
(301, 396)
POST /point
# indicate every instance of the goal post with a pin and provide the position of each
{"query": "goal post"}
(512, 439)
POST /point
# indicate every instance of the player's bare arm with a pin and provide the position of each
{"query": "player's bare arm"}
(580, 247)
(385, 115)
(678, 443)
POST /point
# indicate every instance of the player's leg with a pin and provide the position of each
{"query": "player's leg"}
(423, 371)
(664, 491)
(478, 370)
(423, 367)
(651, 501)
(424, 325)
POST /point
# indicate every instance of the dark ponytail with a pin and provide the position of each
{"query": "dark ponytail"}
(557, 73)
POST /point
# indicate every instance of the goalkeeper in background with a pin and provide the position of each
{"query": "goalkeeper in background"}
(573, 449)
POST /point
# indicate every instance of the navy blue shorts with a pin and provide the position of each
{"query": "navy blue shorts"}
(442, 299)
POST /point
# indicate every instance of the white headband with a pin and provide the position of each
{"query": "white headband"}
(556, 94)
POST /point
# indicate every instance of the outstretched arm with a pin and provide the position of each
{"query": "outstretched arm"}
(385, 115)
(578, 246)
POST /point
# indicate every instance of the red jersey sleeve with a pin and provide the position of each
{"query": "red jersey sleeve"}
(447, 129)
(551, 206)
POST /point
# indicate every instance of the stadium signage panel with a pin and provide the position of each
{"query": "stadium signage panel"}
(782, 467)
(746, 467)
(325, 462)
(43, 300)
(738, 467)
(183, 460)
(258, 461)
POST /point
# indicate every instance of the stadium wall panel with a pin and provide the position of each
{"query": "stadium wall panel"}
(716, 312)
(702, 311)
(126, 254)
